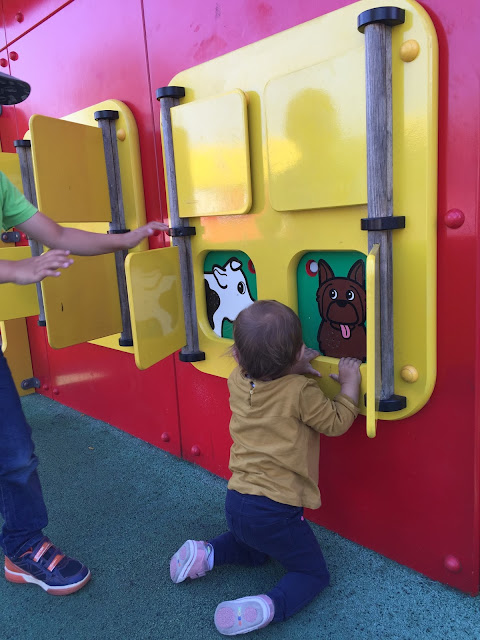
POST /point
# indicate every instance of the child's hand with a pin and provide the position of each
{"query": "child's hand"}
(35, 269)
(349, 377)
(132, 238)
(303, 366)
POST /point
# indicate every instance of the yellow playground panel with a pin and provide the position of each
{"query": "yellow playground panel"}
(69, 169)
(71, 184)
(10, 166)
(211, 137)
(17, 301)
(306, 143)
(154, 294)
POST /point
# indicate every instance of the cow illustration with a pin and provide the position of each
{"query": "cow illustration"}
(227, 293)
(342, 307)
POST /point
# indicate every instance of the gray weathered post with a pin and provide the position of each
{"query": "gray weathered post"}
(376, 24)
(24, 152)
(106, 121)
(180, 231)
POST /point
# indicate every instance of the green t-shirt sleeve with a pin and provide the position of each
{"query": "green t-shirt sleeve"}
(14, 207)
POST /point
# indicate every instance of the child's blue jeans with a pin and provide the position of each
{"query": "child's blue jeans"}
(259, 528)
(21, 500)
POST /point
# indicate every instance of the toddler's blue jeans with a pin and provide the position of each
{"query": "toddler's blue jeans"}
(21, 500)
(259, 528)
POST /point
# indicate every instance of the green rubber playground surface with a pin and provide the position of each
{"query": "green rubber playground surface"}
(124, 507)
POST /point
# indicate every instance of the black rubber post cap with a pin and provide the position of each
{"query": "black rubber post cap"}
(170, 92)
(194, 356)
(390, 16)
(22, 143)
(387, 405)
(106, 115)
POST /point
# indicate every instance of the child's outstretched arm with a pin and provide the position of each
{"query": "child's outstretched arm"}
(84, 243)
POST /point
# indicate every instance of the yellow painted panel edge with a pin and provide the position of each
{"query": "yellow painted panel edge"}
(371, 273)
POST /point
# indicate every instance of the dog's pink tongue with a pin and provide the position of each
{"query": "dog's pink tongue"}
(345, 331)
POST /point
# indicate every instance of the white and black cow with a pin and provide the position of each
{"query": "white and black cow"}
(227, 293)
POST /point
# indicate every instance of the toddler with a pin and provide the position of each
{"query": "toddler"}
(277, 417)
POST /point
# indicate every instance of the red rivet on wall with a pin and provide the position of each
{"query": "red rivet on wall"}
(56, 391)
(13, 55)
(19, 16)
(45, 387)
(452, 564)
(195, 450)
(454, 218)
(3, 62)
(165, 437)
(23, 237)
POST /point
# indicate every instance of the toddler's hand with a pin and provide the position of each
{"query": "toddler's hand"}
(349, 377)
(303, 366)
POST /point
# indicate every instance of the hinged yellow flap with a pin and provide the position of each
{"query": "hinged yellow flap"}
(10, 166)
(69, 168)
(17, 301)
(373, 340)
(156, 308)
(212, 158)
(83, 303)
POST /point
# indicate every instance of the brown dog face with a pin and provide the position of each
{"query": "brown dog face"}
(342, 306)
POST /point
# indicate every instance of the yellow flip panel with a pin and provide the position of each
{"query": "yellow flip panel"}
(10, 166)
(69, 168)
(128, 146)
(373, 341)
(133, 201)
(16, 349)
(156, 308)
(316, 141)
(212, 160)
(17, 301)
(318, 55)
(82, 303)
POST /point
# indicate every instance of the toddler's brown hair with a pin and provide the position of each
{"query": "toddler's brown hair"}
(268, 338)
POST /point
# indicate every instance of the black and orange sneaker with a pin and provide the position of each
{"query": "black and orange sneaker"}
(47, 566)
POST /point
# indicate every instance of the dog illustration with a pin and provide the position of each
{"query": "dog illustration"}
(227, 293)
(342, 307)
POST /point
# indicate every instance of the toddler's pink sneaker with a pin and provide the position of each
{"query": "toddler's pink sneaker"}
(234, 617)
(190, 561)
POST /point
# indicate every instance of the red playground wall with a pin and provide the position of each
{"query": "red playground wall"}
(412, 493)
